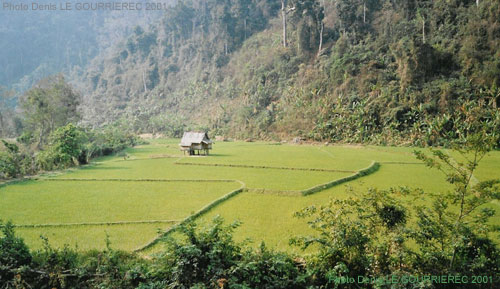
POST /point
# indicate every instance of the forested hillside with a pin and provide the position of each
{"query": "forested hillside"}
(348, 70)
(36, 44)
(167, 75)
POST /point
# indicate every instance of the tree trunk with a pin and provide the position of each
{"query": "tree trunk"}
(283, 15)
(40, 137)
(364, 11)
(321, 38)
(477, 3)
(423, 30)
(144, 81)
(245, 28)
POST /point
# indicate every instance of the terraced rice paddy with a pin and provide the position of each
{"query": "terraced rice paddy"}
(131, 200)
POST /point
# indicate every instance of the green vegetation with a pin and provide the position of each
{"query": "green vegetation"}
(376, 233)
(78, 182)
(381, 72)
(83, 238)
(155, 184)
(50, 104)
(50, 140)
(67, 146)
(269, 217)
(69, 209)
(166, 168)
(108, 190)
(55, 202)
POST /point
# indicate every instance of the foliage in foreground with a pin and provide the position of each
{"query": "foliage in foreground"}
(207, 258)
(365, 237)
(373, 235)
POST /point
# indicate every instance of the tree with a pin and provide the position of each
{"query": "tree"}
(206, 257)
(469, 194)
(361, 236)
(66, 145)
(50, 104)
(307, 18)
(241, 10)
(68, 140)
(349, 19)
(6, 111)
(9, 161)
(283, 16)
(368, 234)
(423, 10)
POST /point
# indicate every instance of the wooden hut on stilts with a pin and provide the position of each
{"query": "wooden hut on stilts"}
(195, 142)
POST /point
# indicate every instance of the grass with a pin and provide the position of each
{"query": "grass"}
(270, 217)
(166, 168)
(93, 194)
(293, 156)
(122, 237)
(70, 202)
(48, 202)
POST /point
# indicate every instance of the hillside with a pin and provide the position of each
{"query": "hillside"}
(36, 44)
(386, 73)
(160, 75)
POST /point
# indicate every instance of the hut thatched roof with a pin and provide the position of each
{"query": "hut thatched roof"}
(191, 137)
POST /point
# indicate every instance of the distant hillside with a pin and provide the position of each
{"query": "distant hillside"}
(36, 44)
(164, 75)
(387, 71)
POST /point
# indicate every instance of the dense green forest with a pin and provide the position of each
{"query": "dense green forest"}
(388, 72)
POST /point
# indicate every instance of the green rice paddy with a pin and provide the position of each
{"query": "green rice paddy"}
(156, 187)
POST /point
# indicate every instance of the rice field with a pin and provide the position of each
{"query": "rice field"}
(130, 200)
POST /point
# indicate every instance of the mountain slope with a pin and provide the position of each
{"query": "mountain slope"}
(36, 44)
(387, 72)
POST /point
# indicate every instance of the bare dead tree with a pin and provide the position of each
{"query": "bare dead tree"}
(321, 38)
(283, 16)
(144, 81)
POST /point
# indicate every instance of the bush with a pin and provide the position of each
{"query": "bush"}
(47, 160)
(206, 256)
(66, 144)
(8, 167)
(268, 269)
(14, 254)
